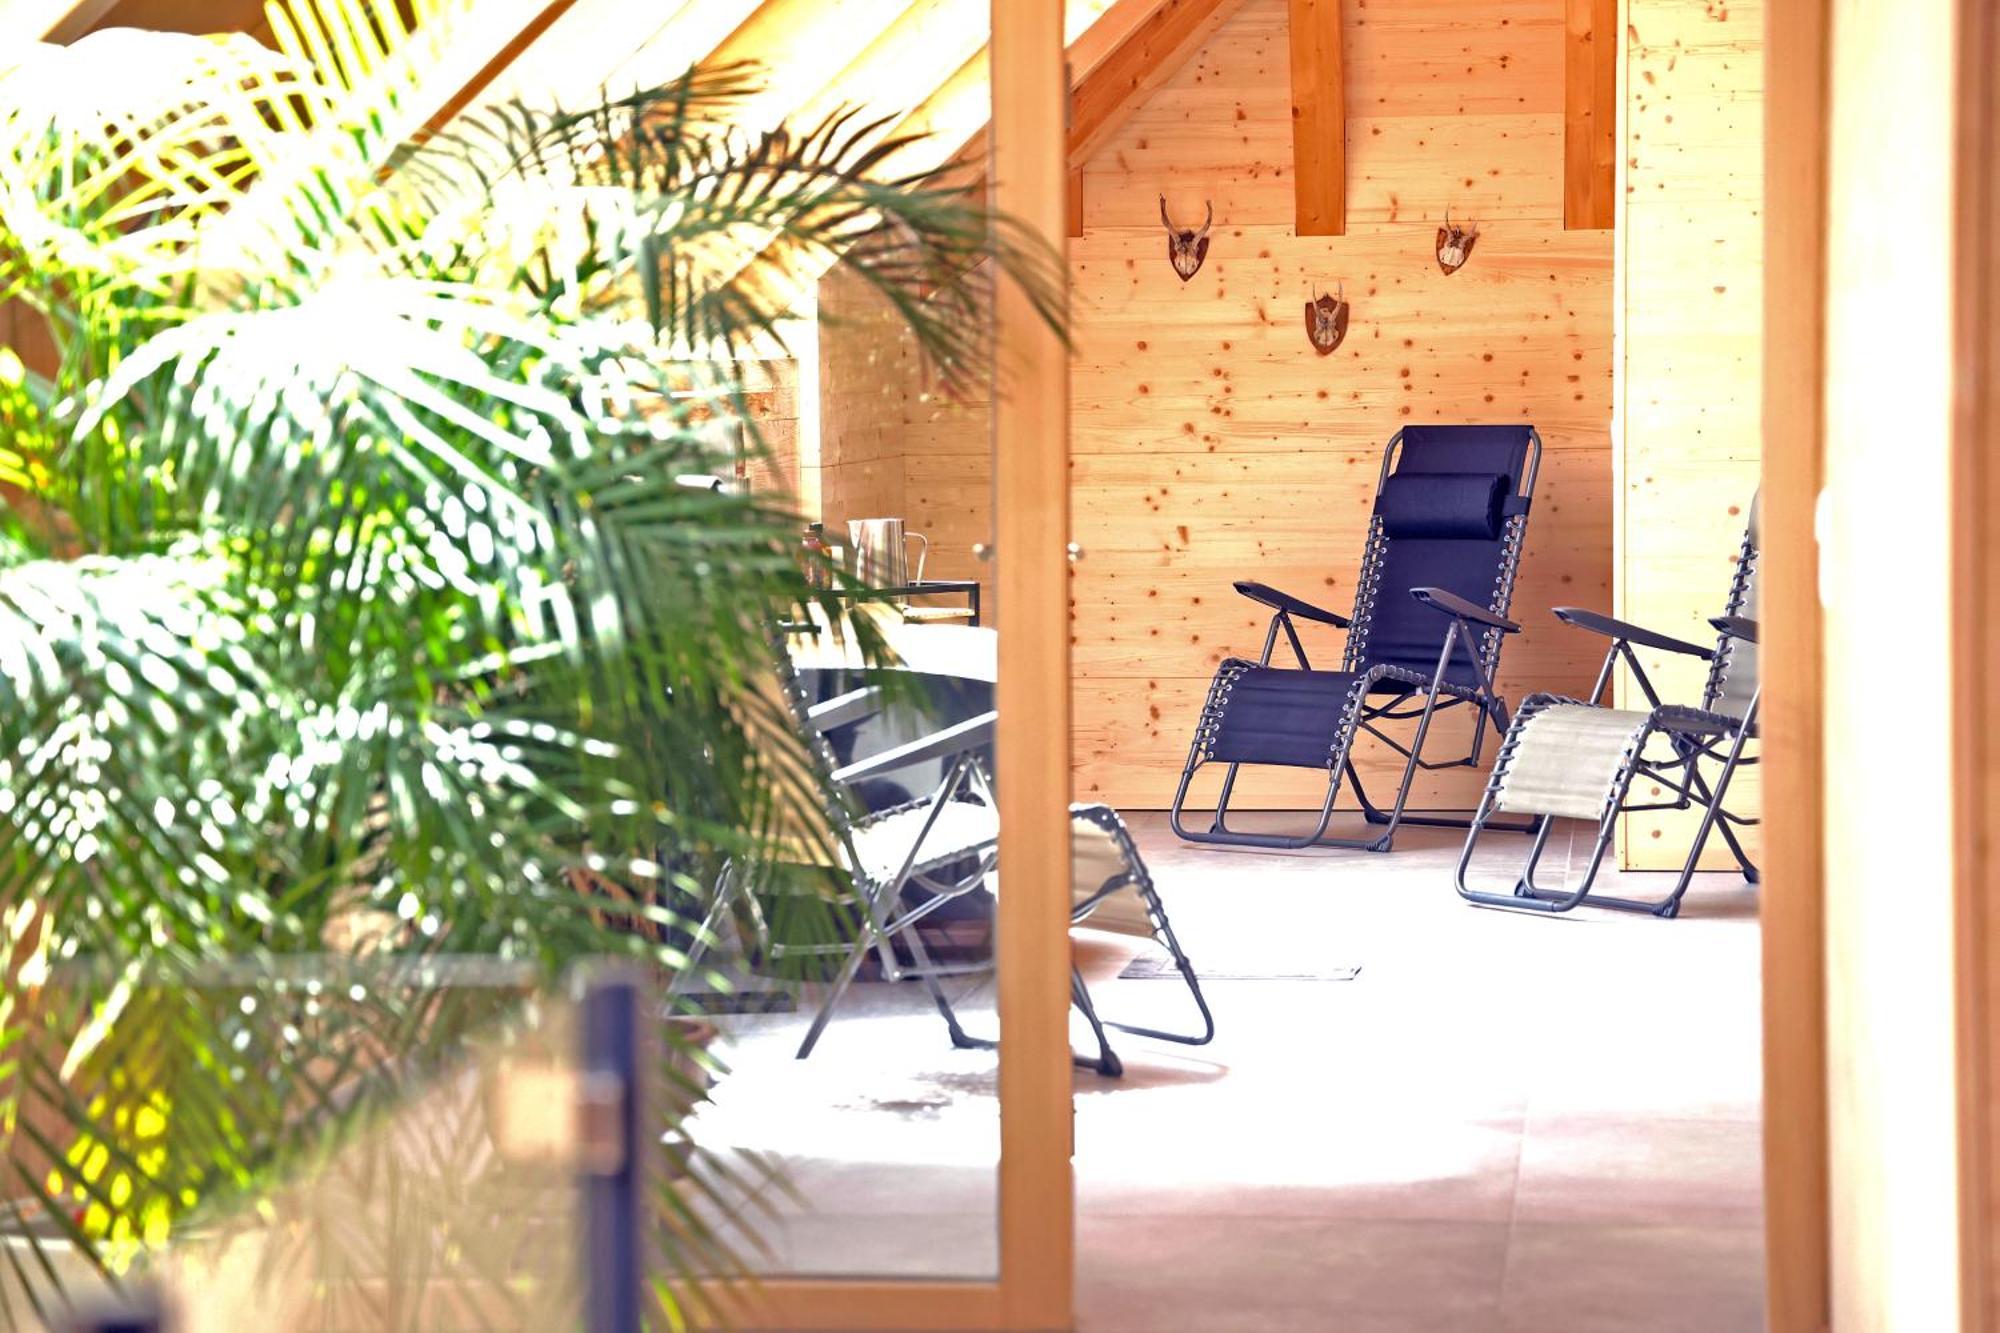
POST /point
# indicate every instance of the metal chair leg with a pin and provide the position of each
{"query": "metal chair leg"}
(1107, 1062)
(920, 953)
(1163, 931)
(840, 985)
(706, 933)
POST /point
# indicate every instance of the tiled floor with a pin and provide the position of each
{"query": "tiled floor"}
(1502, 1123)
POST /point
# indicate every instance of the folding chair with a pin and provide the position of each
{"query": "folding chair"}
(1430, 615)
(1565, 758)
(906, 862)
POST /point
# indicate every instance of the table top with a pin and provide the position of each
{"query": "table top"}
(910, 589)
(965, 652)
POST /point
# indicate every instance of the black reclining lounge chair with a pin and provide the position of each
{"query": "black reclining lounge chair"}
(1430, 614)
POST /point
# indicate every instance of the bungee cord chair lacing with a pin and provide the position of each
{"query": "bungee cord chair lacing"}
(1429, 619)
(907, 862)
(1576, 759)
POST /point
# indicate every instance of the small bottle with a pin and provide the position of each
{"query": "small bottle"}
(815, 555)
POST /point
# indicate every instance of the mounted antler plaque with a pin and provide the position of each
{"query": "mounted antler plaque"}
(1326, 321)
(1186, 248)
(1454, 245)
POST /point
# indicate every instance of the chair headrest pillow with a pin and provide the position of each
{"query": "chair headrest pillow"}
(1443, 504)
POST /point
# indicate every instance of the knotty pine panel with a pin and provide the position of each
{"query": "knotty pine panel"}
(1447, 105)
(1690, 215)
(1210, 443)
(868, 374)
(1154, 613)
(893, 441)
(1452, 58)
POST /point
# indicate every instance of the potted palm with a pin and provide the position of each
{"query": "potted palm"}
(350, 607)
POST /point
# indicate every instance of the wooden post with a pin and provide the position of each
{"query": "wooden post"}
(1319, 119)
(1794, 934)
(1031, 529)
(1590, 114)
(1976, 666)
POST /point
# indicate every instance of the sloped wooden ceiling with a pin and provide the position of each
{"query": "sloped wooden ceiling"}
(477, 50)
(920, 66)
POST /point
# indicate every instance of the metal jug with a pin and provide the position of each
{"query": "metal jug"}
(882, 552)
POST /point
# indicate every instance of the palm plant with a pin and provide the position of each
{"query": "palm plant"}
(348, 599)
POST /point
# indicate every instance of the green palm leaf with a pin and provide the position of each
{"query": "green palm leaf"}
(348, 600)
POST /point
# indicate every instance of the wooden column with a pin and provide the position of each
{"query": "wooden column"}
(1976, 668)
(1590, 114)
(1794, 926)
(1319, 119)
(1031, 530)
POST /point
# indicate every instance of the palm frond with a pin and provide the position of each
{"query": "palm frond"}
(348, 599)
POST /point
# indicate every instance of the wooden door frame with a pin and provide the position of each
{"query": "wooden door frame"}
(1034, 1287)
(1800, 1261)
(1975, 655)
(1797, 1257)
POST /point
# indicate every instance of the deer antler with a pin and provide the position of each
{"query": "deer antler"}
(1163, 214)
(1207, 221)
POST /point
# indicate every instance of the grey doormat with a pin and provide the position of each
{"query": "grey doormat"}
(1153, 967)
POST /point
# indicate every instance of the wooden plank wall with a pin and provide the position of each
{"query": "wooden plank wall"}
(1212, 444)
(1690, 327)
(866, 376)
(891, 442)
(772, 391)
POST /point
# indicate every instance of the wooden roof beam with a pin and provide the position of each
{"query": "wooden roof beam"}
(1590, 113)
(1319, 119)
(1124, 57)
(59, 21)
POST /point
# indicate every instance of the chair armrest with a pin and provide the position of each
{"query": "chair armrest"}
(953, 740)
(1284, 601)
(1736, 627)
(1612, 628)
(845, 708)
(1440, 599)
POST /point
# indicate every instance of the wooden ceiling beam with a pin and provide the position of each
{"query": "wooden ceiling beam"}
(1124, 58)
(1119, 55)
(908, 65)
(802, 46)
(59, 21)
(480, 51)
(1590, 113)
(1319, 119)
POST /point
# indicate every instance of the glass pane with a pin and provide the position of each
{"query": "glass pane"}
(847, 1133)
(325, 1142)
(519, 658)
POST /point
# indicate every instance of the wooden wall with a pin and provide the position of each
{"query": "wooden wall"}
(867, 376)
(1689, 322)
(890, 441)
(1211, 443)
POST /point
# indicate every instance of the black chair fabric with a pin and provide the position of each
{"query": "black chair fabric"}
(1283, 716)
(1502, 449)
(1442, 504)
(1403, 632)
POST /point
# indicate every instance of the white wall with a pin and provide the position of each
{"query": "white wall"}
(1886, 559)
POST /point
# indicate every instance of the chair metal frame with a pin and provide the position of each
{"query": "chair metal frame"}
(1693, 735)
(1481, 649)
(944, 873)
